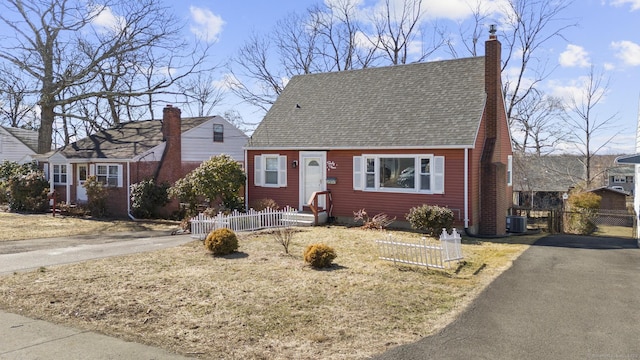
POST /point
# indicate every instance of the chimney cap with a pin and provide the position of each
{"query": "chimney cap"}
(492, 31)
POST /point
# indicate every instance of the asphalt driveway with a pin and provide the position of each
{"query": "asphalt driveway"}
(567, 297)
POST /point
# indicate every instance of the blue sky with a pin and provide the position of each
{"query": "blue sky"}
(606, 38)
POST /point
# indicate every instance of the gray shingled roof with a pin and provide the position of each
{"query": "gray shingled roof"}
(125, 141)
(27, 137)
(555, 173)
(433, 104)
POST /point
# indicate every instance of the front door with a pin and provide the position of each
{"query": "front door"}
(81, 192)
(312, 177)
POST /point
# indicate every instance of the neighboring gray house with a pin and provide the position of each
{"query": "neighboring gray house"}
(17, 144)
(546, 178)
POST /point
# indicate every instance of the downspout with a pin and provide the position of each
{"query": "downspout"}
(466, 188)
(246, 181)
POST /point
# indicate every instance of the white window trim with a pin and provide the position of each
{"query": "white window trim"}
(437, 180)
(59, 173)
(259, 167)
(120, 175)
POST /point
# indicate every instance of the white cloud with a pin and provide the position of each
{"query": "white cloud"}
(206, 25)
(628, 51)
(574, 91)
(574, 56)
(105, 19)
(635, 4)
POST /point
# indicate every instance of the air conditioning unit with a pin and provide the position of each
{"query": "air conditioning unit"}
(516, 224)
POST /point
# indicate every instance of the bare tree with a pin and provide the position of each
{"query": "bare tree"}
(16, 107)
(62, 44)
(538, 120)
(529, 25)
(201, 94)
(332, 36)
(398, 26)
(585, 125)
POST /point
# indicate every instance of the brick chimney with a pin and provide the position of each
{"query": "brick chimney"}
(170, 167)
(493, 171)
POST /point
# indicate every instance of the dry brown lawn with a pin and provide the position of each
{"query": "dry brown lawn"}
(40, 226)
(261, 303)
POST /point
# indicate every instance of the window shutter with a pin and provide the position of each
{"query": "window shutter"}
(357, 173)
(438, 174)
(92, 169)
(282, 171)
(45, 169)
(70, 173)
(120, 175)
(257, 170)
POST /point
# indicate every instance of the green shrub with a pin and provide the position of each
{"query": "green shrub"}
(221, 242)
(28, 192)
(583, 210)
(431, 219)
(96, 197)
(319, 255)
(147, 198)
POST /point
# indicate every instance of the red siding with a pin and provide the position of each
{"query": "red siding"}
(346, 200)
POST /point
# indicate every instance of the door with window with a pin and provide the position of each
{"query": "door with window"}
(81, 192)
(312, 177)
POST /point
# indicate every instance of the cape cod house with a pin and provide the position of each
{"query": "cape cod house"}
(165, 150)
(17, 145)
(388, 139)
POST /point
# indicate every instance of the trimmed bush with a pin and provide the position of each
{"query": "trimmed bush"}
(28, 192)
(319, 255)
(221, 242)
(431, 219)
(261, 204)
(147, 198)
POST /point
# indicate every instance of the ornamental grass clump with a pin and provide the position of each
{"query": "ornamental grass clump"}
(221, 242)
(319, 255)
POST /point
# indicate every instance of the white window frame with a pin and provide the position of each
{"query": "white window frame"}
(436, 174)
(57, 173)
(260, 171)
(219, 133)
(619, 179)
(108, 175)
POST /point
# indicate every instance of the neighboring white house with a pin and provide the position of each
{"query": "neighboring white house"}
(635, 159)
(17, 144)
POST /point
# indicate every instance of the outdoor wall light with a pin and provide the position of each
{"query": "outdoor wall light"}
(294, 164)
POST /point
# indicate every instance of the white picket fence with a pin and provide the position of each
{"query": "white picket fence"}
(426, 252)
(201, 225)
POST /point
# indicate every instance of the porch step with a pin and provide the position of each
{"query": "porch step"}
(304, 218)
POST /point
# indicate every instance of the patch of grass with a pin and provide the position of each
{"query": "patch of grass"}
(614, 231)
(39, 226)
(265, 305)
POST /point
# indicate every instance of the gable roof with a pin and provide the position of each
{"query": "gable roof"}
(27, 137)
(124, 141)
(554, 173)
(432, 104)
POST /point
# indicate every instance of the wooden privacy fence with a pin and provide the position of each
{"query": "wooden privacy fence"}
(201, 225)
(426, 252)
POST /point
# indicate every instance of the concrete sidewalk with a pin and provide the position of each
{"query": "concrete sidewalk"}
(27, 339)
(30, 339)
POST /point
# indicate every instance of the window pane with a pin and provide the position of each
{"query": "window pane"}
(397, 172)
(113, 170)
(271, 177)
(272, 163)
(101, 170)
(425, 182)
(425, 166)
(112, 182)
(371, 178)
(371, 164)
